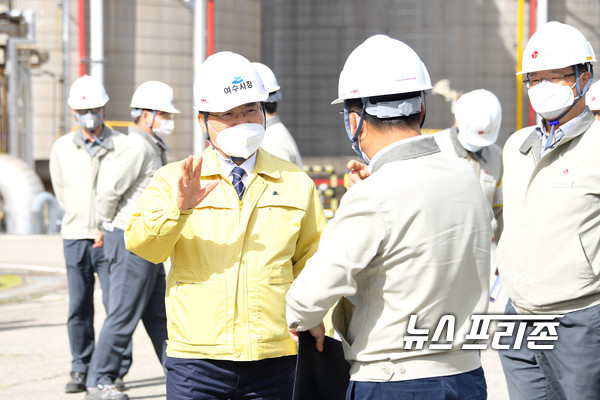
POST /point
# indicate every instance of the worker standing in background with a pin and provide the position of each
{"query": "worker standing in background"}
(278, 140)
(478, 116)
(238, 225)
(137, 285)
(592, 99)
(76, 161)
(549, 253)
(411, 239)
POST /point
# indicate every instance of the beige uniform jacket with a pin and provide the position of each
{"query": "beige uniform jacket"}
(487, 167)
(549, 254)
(75, 175)
(412, 238)
(125, 176)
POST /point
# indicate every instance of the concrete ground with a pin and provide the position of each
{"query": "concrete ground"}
(34, 346)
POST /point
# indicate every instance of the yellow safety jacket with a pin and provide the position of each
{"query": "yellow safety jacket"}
(232, 262)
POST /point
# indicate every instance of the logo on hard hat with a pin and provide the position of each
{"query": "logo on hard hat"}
(237, 84)
(535, 54)
(481, 132)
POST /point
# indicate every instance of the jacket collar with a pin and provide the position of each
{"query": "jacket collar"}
(460, 150)
(138, 131)
(265, 164)
(105, 136)
(533, 140)
(420, 146)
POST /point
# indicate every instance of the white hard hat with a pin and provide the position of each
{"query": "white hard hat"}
(270, 82)
(382, 66)
(478, 117)
(554, 46)
(87, 92)
(227, 80)
(592, 97)
(154, 95)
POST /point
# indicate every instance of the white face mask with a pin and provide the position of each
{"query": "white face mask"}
(89, 121)
(240, 140)
(550, 99)
(166, 127)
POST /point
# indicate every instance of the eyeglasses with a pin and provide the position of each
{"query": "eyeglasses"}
(89, 110)
(250, 113)
(165, 115)
(550, 77)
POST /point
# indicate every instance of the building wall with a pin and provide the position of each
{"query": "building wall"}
(143, 40)
(473, 43)
(470, 42)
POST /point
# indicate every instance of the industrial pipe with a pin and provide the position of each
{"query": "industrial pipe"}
(97, 40)
(81, 34)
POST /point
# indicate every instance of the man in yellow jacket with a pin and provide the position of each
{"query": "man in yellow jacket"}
(238, 225)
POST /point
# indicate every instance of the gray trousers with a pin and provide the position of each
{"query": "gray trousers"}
(569, 371)
(82, 261)
(137, 292)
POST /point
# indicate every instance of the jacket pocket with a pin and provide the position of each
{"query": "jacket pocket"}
(198, 312)
(274, 283)
(277, 274)
(590, 246)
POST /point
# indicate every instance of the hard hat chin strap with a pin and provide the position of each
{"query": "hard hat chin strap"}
(580, 93)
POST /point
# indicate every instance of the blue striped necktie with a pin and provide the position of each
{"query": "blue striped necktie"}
(238, 172)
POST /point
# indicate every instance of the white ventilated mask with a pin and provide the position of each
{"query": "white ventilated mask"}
(165, 129)
(240, 140)
(550, 99)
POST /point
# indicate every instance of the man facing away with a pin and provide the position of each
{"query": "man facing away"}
(411, 239)
(478, 116)
(76, 161)
(238, 225)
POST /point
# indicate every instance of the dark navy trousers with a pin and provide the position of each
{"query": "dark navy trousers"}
(194, 379)
(82, 261)
(137, 291)
(468, 385)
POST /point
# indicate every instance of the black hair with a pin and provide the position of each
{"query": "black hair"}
(270, 108)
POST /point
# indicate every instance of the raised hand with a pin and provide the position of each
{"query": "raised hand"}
(190, 193)
(358, 172)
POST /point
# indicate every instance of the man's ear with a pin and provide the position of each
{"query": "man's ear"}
(354, 120)
(585, 77)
